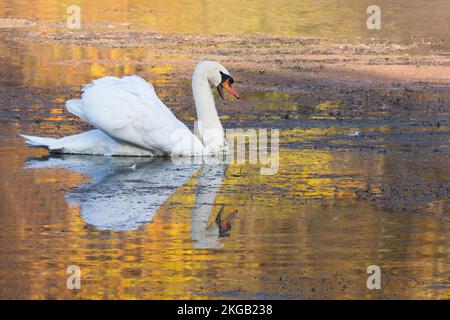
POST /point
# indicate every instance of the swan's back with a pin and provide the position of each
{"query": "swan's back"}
(129, 110)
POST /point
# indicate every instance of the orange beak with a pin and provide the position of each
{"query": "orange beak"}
(227, 86)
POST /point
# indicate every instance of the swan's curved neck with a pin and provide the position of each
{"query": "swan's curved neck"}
(208, 124)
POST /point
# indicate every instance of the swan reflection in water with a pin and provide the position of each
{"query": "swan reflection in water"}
(124, 193)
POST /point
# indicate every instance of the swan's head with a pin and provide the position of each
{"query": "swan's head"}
(218, 76)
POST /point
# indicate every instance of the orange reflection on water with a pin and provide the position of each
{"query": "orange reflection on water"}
(65, 64)
(287, 240)
(308, 232)
(345, 19)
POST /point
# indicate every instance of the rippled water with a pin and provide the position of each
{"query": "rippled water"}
(405, 20)
(337, 204)
(300, 234)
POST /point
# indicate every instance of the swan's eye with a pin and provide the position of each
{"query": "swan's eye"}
(226, 84)
(226, 77)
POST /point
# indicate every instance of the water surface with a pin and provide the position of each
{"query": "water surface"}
(404, 21)
(152, 228)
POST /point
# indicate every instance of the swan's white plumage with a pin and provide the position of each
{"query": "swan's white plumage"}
(74, 106)
(129, 110)
(33, 141)
(93, 142)
(132, 120)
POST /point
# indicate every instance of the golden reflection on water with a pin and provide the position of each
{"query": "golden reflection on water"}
(345, 19)
(303, 233)
(283, 242)
(66, 64)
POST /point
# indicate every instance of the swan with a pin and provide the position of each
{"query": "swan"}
(131, 120)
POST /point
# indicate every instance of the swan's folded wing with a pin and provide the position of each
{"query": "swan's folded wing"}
(129, 110)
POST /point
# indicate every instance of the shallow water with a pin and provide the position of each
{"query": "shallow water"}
(337, 204)
(406, 20)
(309, 231)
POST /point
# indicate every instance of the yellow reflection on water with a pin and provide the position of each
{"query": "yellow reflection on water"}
(346, 19)
(65, 64)
(302, 233)
(298, 234)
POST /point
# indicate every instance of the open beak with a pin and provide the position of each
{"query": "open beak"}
(227, 86)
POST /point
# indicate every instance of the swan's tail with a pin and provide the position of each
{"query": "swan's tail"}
(38, 141)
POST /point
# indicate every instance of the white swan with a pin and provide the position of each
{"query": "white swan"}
(131, 120)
